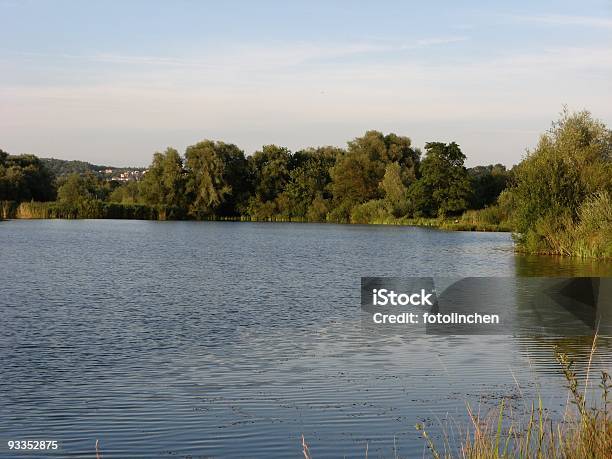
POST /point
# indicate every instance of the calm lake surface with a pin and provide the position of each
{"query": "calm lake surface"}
(219, 339)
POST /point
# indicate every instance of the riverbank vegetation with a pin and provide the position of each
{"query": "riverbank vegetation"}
(584, 430)
(560, 198)
(557, 200)
(377, 179)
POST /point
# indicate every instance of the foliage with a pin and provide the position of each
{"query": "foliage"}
(370, 212)
(76, 189)
(216, 174)
(318, 209)
(91, 209)
(593, 234)
(61, 167)
(487, 183)
(24, 178)
(571, 164)
(128, 193)
(270, 170)
(356, 176)
(557, 199)
(588, 235)
(584, 432)
(395, 191)
(445, 180)
(164, 182)
(309, 181)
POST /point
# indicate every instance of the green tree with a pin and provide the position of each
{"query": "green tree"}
(396, 192)
(487, 183)
(128, 193)
(25, 178)
(357, 174)
(309, 180)
(270, 170)
(74, 190)
(79, 188)
(571, 164)
(420, 201)
(218, 181)
(445, 179)
(164, 182)
(318, 209)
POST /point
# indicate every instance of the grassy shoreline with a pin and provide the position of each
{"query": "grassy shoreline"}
(584, 430)
(585, 244)
(103, 210)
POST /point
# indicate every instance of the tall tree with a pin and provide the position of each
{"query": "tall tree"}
(445, 178)
(74, 190)
(24, 178)
(571, 164)
(396, 192)
(309, 180)
(270, 171)
(218, 179)
(164, 182)
(357, 174)
(128, 193)
(487, 184)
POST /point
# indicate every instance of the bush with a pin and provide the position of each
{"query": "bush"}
(374, 211)
(340, 214)
(8, 209)
(571, 164)
(584, 432)
(593, 235)
(91, 209)
(317, 211)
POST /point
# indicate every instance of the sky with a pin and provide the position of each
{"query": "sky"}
(112, 82)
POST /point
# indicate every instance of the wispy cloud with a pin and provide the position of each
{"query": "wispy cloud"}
(566, 20)
(246, 93)
(440, 41)
(290, 54)
(169, 98)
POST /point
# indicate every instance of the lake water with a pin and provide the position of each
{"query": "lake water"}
(219, 339)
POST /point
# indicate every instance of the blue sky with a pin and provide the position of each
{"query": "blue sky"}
(112, 82)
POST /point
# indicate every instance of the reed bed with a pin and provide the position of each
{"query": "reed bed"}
(584, 431)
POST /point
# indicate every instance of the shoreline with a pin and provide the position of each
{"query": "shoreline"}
(98, 210)
(446, 225)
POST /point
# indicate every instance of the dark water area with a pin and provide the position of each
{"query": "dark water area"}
(221, 339)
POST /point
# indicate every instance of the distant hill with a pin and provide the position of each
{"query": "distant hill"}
(59, 167)
(62, 167)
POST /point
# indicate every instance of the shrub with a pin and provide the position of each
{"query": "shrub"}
(374, 211)
(318, 209)
(571, 163)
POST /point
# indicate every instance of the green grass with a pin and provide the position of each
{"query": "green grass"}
(588, 234)
(93, 209)
(584, 432)
(103, 210)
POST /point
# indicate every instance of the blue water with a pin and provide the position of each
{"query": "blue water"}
(220, 339)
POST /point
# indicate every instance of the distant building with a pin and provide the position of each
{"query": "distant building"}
(127, 176)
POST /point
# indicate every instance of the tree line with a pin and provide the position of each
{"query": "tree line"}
(25, 178)
(377, 176)
(557, 199)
